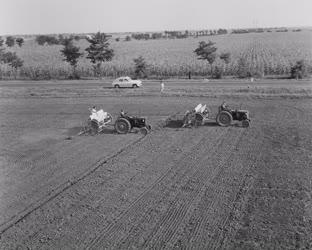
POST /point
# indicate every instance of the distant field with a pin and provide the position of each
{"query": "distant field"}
(266, 53)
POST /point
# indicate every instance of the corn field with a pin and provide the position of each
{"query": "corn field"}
(264, 53)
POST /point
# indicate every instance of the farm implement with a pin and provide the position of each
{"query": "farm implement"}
(100, 120)
(201, 114)
(197, 116)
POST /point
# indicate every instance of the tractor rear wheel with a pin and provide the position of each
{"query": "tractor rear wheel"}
(122, 126)
(224, 119)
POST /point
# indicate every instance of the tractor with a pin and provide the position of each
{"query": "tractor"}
(125, 123)
(226, 116)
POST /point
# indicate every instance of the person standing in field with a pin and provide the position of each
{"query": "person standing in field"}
(162, 86)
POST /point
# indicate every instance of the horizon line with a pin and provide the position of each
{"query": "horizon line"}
(151, 31)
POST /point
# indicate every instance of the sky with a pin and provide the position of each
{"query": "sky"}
(86, 16)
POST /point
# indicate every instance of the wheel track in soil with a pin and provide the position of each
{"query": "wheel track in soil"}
(113, 233)
(188, 142)
(216, 238)
(286, 136)
(173, 228)
(300, 113)
(145, 194)
(142, 197)
(241, 201)
(171, 218)
(169, 224)
(58, 190)
(115, 196)
(62, 187)
(164, 232)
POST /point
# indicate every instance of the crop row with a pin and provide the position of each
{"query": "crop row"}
(263, 54)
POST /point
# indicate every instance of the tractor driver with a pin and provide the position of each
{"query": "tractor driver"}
(224, 106)
(93, 109)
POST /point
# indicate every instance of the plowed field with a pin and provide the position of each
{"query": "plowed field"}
(209, 187)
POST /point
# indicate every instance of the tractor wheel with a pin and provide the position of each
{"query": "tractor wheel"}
(245, 123)
(224, 119)
(134, 86)
(122, 126)
(117, 86)
(144, 131)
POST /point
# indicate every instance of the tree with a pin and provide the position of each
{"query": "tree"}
(207, 51)
(12, 59)
(141, 36)
(243, 70)
(1, 41)
(77, 37)
(10, 41)
(128, 38)
(50, 40)
(156, 35)
(99, 51)
(140, 67)
(60, 39)
(219, 70)
(298, 71)
(1, 49)
(225, 57)
(19, 41)
(71, 54)
(221, 31)
(41, 39)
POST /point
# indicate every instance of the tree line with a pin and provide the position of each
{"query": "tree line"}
(174, 34)
(8, 57)
(10, 41)
(53, 40)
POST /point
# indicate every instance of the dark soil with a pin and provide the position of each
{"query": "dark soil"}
(203, 188)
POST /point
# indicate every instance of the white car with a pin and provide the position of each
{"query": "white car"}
(126, 82)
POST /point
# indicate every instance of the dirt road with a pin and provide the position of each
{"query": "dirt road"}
(202, 188)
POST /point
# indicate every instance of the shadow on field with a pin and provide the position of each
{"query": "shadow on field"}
(108, 87)
(79, 131)
(120, 88)
(179, 124)
(211, 124)
(174, 124)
